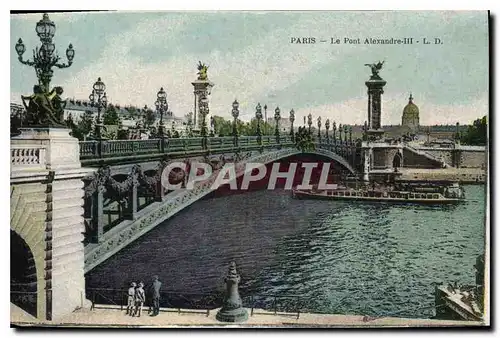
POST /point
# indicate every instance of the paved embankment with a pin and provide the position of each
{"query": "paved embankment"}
(108, 317)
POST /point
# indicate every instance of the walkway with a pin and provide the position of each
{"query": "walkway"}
(106, 317)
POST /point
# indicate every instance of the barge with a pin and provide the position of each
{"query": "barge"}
(450, 194)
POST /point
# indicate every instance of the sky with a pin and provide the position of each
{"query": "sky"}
(251, 59)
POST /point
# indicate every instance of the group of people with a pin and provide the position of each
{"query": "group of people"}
(137, 298)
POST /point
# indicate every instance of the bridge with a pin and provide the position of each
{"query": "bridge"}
(75, 204)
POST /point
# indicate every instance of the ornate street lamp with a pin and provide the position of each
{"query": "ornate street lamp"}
(292, 119)
(319, 128)
(345, 133)
(44, 57)
(340, 133)
(309, 121)
(365, 130)
(258, 116)
(235, 112)
(204, 112)
(161, 107)
(334, 128)
(99, 100)
(327, 127)
(350, 134)
(277, 118)
(265, 120)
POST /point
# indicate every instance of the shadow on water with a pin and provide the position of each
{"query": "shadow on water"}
(339, 257)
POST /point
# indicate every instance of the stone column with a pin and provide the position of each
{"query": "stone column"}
(201, 88)
(375, 90)
(47, 194)
(366, 154)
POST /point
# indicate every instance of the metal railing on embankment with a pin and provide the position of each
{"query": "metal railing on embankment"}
(200, 303)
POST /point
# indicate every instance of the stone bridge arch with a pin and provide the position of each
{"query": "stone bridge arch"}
(148, 218)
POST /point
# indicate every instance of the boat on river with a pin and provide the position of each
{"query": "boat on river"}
(422, 195)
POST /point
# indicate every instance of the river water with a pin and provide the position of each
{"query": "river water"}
(338, 256)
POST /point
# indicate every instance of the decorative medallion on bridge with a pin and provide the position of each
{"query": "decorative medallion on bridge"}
(232, 309)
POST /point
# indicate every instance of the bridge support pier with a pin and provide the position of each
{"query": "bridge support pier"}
(47, 213)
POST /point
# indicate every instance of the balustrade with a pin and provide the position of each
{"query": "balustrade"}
(27, 156)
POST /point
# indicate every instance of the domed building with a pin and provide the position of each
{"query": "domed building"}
(411, 115)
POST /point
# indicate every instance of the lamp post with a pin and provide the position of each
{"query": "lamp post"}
(365, 130)
(309, 121)
(334, 128)
(277, 118)
(265, 120)
(319, 128)
(350, 134)
(204, 112)
(235, 112)
(345, 133)
(292, 119)
(258, 116)
(161, 107)
(99, 100)
(45, 57)
(327, 127)
(340, 133)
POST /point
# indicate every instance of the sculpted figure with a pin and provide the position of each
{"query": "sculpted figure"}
(57, 102)
(375, 67)
(40, 110)
(202, 71)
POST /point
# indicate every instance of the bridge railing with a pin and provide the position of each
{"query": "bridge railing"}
(119, 148)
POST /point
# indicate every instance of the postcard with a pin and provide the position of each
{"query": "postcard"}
(249, 169)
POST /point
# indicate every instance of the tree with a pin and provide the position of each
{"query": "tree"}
(83, 127)
(223, 127)
(111, 116)
(476, 133)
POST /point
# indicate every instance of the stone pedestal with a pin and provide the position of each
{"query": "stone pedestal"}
(232, 309)
(46, 161)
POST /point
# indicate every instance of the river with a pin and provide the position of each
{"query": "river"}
(340, 257)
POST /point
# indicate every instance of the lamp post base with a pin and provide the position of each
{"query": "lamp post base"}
(235, 315)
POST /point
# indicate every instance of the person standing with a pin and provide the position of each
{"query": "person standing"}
(131, 299)
(140, 297)
(156, 296)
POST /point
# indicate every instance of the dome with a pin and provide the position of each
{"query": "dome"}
(411, 109)
(411, 115)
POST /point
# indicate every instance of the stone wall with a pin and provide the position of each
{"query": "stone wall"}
(445, 155)
(414, 160)
(473, 159)
(47, 213)
(27, 219)
(382, 157)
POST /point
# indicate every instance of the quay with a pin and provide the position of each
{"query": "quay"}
(462, 175)
(171, 318)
